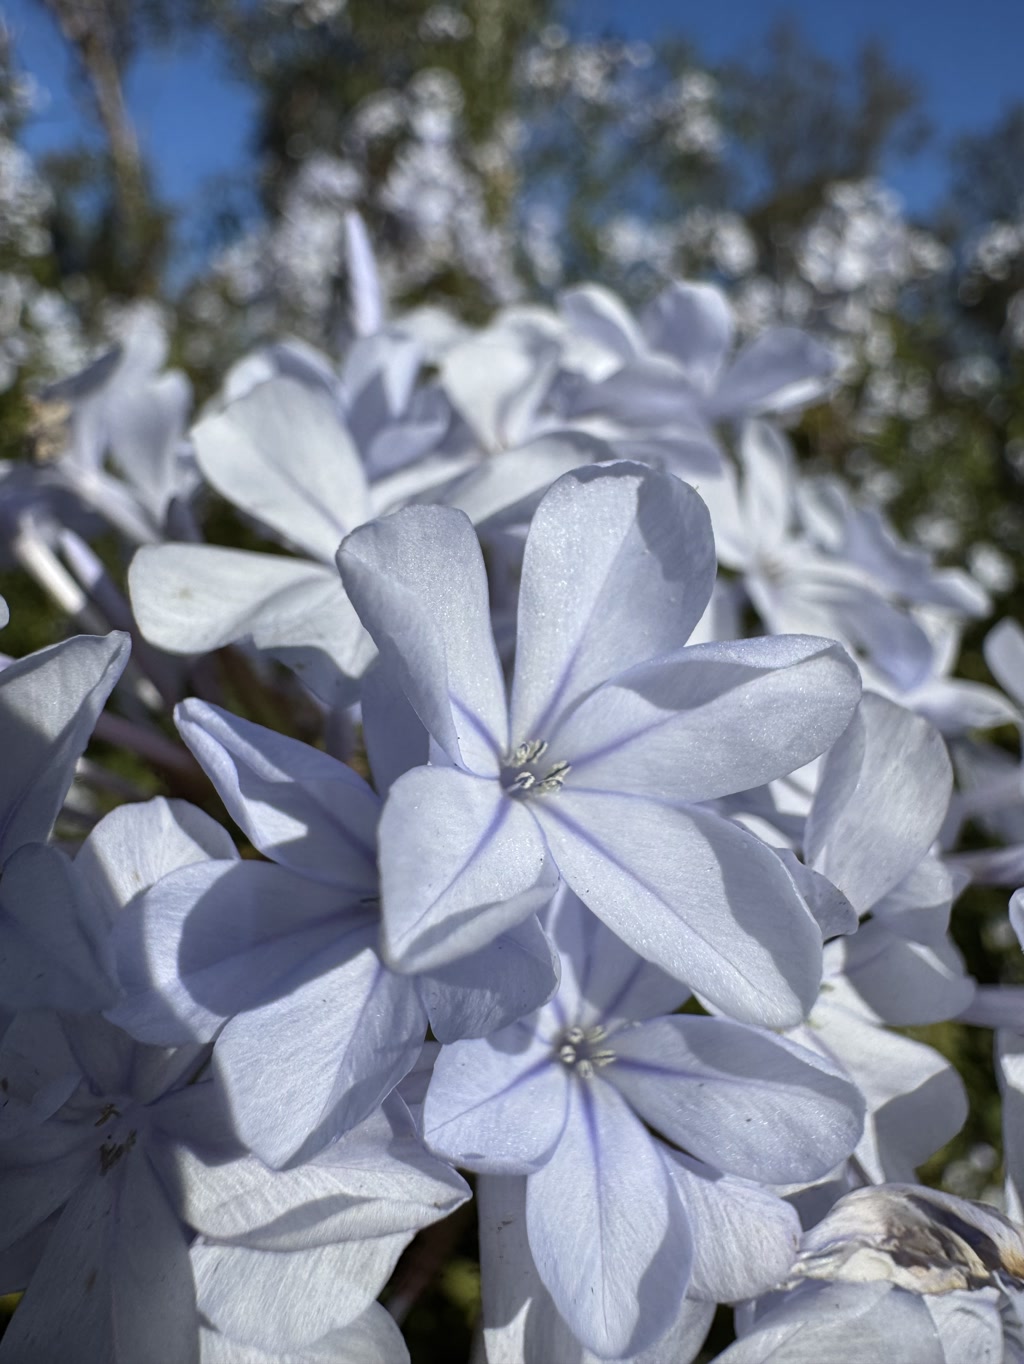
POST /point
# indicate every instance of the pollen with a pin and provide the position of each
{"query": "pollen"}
(580, 1050)
(522, 775)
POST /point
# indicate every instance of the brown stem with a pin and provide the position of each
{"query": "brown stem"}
(424, 1260)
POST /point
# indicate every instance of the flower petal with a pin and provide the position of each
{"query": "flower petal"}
(694, 324)
(298, 806)
(496, 1104)
(520, 1320)
(114, 1280)
(460, 863)
(281, 453)
(712, 719)
(608, 1233)
(417, 580)
(281, 1303)
(54, 936)
(192, 598)
(375, 1180)
(880, 803)
(216, 938)
(618, 569)
(740, 1098)
(134, 846)
(491, 988)
(745, 1238)
(780, 369)
(698, 896)
(308, 1066)
(49, 703)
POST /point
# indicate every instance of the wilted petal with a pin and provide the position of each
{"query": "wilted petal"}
(417, 580)
(460, 863)
(282, 454)
(609, 1235)
(698, 896)
(618, 569)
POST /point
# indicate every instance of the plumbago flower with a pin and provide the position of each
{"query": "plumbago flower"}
(613, 735)
(310, 490)
(126, 407)
(882, 795)
(619, 1221)
(278, 959)
(128, 1153)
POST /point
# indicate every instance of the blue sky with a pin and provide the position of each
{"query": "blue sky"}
(194, 121)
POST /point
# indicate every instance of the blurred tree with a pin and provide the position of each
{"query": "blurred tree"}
(108, 225)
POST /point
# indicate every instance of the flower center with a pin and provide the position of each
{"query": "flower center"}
(118, 1136)
(525, 774)
(580, 1049)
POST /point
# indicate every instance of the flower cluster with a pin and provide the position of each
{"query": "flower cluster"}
(546, 853)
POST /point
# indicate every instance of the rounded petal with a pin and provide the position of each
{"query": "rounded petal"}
(741, 1099)
(618, 569)
(745, 1238)
(418, 581)
(192, 598)
(608, 1232)
(700, 897)
(711, 720)
(497, 1105)
(281, 453)
(299, 806)
(880, 803)
(460, 863)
